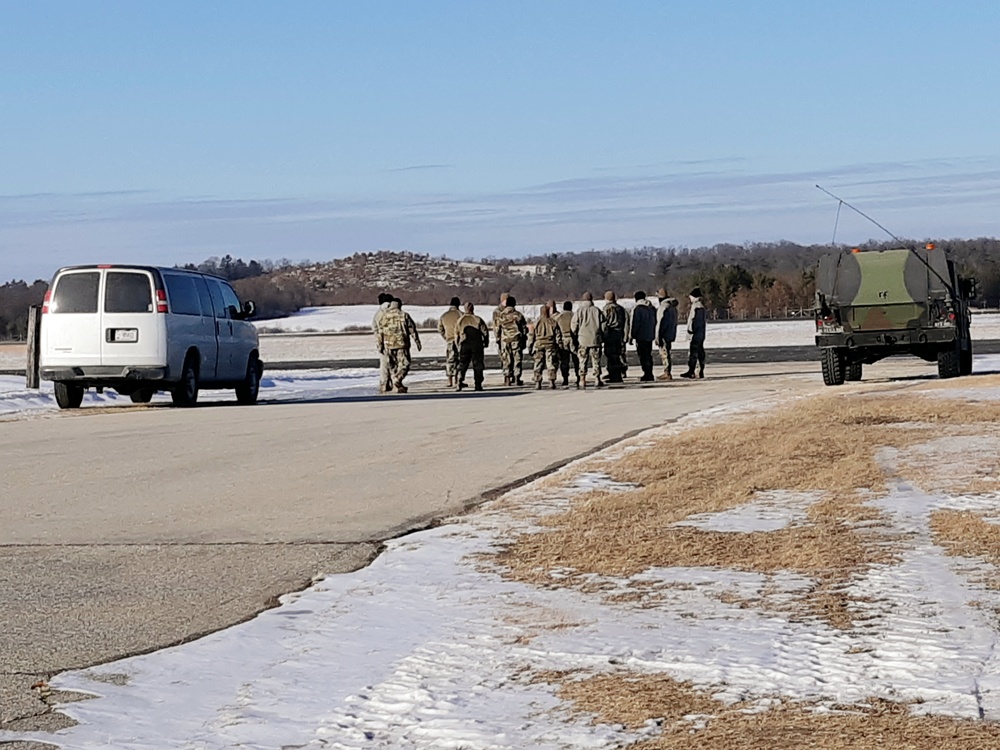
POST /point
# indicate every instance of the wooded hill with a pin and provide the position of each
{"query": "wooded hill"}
(739, 281)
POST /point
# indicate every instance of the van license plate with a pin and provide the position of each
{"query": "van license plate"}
(124, 335)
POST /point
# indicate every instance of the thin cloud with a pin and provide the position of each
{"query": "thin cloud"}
(421, 167)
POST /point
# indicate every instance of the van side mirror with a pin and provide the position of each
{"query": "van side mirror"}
(249, 309)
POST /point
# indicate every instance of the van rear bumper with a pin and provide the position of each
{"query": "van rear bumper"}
(103, 375)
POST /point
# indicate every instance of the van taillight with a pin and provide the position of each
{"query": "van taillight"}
(46, 301)
(161, 301)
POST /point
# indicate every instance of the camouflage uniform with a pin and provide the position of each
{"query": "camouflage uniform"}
(615, 322)
(384, 381)
(568, 351)
(395, 329)
(501, 351)
(512, 333)
(588, 333)
(544, 342)
(446, 327)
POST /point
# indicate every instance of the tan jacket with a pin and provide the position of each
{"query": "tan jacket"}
(447, 322)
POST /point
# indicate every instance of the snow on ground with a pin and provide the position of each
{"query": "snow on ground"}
(278, 385)
(429, 646)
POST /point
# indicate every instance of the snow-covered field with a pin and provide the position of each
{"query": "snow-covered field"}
(431, 647)
(720, 335)
(315, 348)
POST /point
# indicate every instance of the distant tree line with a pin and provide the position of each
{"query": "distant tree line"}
(15, 299)
(751, 280)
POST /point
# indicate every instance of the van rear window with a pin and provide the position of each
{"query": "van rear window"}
(127, 293)
(183, 294)
(76, 293)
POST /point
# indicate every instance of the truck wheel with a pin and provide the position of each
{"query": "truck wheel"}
(966, 361)
(141, 395)
(246, 392)
(833, 367)
(68, 395)
(185, 392)
(853, 371)
(949, 362)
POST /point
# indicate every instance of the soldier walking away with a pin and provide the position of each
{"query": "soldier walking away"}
(472, 337)
(446, 327)
(615, 323)
(395, 330)
(495, 324)
(568, 351)
(696, 331)
(588, 333)
(384, 381)
(544, 342)
(512, 330)
(666, 331)
(642, 331)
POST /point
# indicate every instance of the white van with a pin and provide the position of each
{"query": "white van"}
(139, 329)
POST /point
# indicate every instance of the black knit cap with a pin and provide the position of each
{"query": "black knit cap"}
(455, 302)
(696, 292)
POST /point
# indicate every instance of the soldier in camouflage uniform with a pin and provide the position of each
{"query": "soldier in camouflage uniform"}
(512, 330)
(588, 333)
(568, 351)
(544, 342)
(615, 322)
(384, 381)
(496, 330)
(395, 329)
(446, 327)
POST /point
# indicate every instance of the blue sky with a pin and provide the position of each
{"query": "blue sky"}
(169, 132)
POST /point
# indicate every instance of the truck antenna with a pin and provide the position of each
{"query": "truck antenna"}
(842, 202)
(913, 250)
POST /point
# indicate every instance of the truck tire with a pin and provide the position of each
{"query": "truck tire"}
(68, 395)
(246, 392)
(185, 392)
(853, 372)
(966, 361)
(949, 362)
(833, 367)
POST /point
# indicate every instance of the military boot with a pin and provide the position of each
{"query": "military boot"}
(506, 379)
(688, 375)
(451, 381)
(553, 382)
(538, 385)
(400, 388)
(520, 382)
(461, 385)
(578, 383)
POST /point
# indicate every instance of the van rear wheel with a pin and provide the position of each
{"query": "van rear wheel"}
(247, 391)
(69, 395)
(185, 393)
(141, 395)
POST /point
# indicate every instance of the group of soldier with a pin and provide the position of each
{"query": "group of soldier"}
(558, 341)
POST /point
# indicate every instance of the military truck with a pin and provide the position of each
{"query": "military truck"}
(881, 303)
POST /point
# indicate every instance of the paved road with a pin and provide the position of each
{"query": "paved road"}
(128, 529)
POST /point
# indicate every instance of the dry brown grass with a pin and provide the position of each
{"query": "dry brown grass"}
(633, 700)
(966, 534)
(826, 444)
